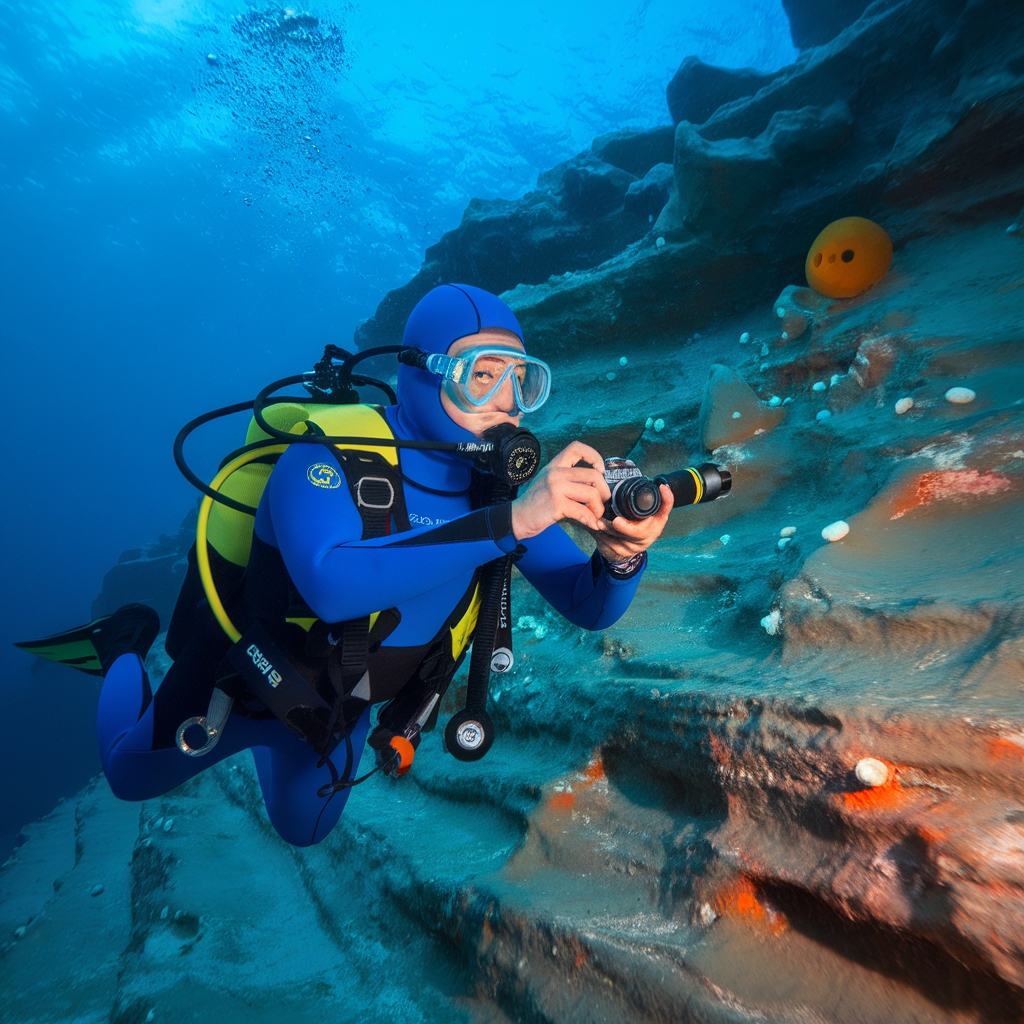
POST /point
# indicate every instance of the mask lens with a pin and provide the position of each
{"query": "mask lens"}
(486, 376)
(477, 376)
(534, 384)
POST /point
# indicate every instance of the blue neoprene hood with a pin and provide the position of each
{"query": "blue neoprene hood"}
(443, 315)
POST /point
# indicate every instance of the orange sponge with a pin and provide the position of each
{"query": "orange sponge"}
(848, 257)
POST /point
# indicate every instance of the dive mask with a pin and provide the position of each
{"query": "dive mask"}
(472, 378)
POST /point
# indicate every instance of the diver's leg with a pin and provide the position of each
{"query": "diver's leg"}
(137, 732)
(289, 778)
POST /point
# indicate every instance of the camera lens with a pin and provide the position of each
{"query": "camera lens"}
(634, 499)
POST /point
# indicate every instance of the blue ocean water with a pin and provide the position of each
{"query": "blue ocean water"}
(196, 196)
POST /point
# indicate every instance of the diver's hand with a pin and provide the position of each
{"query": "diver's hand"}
(563, 490)
(623, 538)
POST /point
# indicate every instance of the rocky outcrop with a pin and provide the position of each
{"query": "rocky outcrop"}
(697, 89)
(151, 575)
(730, 411)
(581, 213)
(915, 114)
(912, 115)
(812, 23)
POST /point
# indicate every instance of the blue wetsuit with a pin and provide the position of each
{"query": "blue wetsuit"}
(424, 572)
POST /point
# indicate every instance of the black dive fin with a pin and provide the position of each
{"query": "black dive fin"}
(73, 647)
(92, 648)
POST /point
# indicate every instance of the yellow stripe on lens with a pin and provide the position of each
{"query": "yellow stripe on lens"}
(698, 482)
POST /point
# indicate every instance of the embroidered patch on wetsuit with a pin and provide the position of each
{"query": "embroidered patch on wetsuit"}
(323, 475)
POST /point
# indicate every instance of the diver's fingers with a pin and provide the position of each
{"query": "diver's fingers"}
(579, 494)
(575, 452)
(593, 478)
(668, 501)
(583, 515)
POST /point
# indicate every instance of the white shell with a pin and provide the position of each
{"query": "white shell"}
(904, 405)
(659, 242)
(623, 360)
(872, 772)
(649, 423)
(787, 531)
(822, 415)
(836, 531)
(659, 425)
(736, 415)
(774, 401)
(819, 386)
(724, 539)
(772, 622)
(783, 541)
(960, 396)
(744, 338)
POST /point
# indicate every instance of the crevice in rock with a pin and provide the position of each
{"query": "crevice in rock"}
(945, 980)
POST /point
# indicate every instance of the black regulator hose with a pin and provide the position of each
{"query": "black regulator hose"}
(470, 732)
(263, 399)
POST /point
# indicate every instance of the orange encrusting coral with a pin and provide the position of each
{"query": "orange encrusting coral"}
(565, 799)
(562, 802)
(739, 899)
(1002, 747)
(948, 485)
(890, 794)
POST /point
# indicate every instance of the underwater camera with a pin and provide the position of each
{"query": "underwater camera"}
(635, 496)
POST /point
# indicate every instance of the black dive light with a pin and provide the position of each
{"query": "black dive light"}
(635, 496)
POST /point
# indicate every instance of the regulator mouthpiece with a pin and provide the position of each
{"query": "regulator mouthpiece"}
(514, 456)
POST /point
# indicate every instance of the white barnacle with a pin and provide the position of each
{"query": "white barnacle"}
(871, 772)
(904, 405)
(960, 396)
(835, 531)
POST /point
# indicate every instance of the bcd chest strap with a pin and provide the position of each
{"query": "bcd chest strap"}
(269, 675)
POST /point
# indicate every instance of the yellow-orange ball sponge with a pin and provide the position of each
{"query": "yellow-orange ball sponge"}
(848, 257)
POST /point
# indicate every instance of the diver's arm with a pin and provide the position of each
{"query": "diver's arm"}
(317, 530)
(582, 589)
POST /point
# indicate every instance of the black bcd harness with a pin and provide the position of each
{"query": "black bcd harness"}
(321, 696)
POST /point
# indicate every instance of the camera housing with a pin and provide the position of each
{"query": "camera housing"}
(635, 496)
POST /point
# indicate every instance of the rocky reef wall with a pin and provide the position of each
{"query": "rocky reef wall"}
(789, 784)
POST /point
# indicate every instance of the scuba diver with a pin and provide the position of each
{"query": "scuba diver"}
(363, 576)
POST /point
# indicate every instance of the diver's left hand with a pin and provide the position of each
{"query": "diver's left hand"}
(622, 538)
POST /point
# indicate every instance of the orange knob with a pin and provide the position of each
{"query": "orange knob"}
(406, 752)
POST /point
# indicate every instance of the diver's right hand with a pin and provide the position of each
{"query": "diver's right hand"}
(563, 490)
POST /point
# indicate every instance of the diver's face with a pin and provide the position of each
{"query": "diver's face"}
(499, 408)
